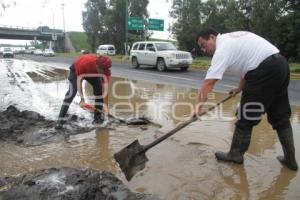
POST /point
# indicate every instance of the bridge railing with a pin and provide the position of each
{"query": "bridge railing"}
(18, 27)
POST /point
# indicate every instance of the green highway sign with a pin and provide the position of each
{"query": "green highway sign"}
(156, 24)
(135, 23)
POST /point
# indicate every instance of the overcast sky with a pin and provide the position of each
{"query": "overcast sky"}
(34, 13)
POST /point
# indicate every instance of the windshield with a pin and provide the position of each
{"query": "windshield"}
(165, 46)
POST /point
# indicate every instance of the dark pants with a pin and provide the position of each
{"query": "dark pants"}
(266, 91)
(97, 89)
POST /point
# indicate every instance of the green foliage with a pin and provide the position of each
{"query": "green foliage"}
(104, 21)
(4, 4)
(276, 20)
(295, 67)
(79, 40)
(201, 63)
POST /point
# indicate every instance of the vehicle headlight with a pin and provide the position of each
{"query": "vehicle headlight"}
(171, 56)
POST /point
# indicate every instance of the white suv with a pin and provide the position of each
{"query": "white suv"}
(163, 55)
(106, 49)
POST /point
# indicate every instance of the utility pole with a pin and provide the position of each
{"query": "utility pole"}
(126, 27)
(63, 13)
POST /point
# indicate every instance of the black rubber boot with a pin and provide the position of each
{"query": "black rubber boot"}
(287, 142)
(62, 113)
(98, 118)
(239, 145)
(59, 124)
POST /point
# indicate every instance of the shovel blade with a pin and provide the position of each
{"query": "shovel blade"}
(131, 159)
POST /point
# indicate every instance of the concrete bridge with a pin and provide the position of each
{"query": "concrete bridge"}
(42, 33)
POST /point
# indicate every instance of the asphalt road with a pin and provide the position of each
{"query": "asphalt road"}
(190, 78)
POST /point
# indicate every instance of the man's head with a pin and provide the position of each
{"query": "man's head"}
(103, 65)
(206, 39)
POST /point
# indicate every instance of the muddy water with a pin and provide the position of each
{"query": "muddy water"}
(182, 167)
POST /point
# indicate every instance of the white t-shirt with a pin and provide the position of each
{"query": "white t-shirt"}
(238, 52)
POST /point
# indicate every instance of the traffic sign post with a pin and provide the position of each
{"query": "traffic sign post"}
(156, 24)
(135, 23)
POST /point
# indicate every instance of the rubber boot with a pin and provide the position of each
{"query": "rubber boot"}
(239, 145)
(98, 118)
(287, 142)
(60, 122)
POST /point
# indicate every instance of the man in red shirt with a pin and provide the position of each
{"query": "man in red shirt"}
(95, 70)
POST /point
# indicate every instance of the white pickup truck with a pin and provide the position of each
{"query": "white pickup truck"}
(163, 55)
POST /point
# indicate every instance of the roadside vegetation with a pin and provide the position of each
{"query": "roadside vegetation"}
(79, 41)
(203, 63)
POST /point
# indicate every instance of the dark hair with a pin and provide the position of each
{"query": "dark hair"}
(206, 32)
(85, 51)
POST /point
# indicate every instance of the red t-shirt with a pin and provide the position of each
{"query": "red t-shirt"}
(86, 64)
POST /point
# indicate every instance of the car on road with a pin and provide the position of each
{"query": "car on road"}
(162, 55)
(30, 50)
(48, 52)
(38, 52)
(106, 49)
(8, 53)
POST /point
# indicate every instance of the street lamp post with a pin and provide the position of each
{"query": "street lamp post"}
(126, 27)
(63, 13)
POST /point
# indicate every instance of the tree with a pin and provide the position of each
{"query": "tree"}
(189, 19)
(4, 4)
(289, 32)
(104, 21)
(94, 21)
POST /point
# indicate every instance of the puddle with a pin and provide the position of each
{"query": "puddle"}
(183, 165)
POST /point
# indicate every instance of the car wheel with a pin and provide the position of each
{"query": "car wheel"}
(135, 62)
(161, 65)
(184, 69)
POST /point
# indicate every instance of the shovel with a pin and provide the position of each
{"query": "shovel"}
(132, 158)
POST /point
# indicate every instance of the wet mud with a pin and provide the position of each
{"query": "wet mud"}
(67, 183)
(29, 128)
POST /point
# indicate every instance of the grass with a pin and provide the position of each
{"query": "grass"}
(79, 40)
(295, 67)
(202, 63)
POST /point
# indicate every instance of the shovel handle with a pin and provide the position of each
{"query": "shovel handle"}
(182, 125)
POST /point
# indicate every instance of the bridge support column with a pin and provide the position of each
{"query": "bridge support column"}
(35, 42)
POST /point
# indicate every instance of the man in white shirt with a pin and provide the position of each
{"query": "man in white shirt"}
(264, 83)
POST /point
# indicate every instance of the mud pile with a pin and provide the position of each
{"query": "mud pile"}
(67, 183)
(29, 128)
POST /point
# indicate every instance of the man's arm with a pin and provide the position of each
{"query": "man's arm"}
(79, 86)
(206, 88)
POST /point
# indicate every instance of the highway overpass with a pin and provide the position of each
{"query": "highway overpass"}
(43, 33)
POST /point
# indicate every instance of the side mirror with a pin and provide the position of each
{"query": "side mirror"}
(151, 49)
